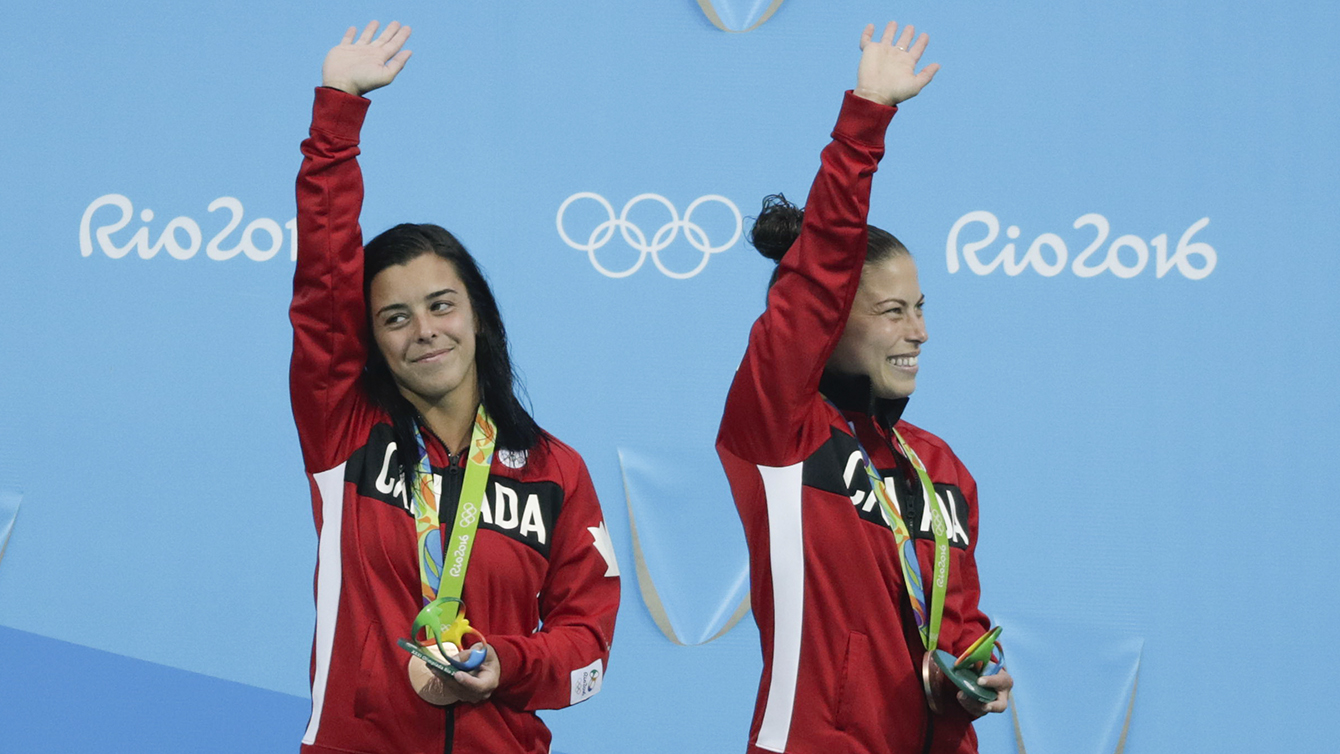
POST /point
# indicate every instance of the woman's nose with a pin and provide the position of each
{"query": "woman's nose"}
(425, 329)
(919, 330)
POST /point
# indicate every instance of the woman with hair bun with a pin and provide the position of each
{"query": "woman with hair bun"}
(402, 389)
(861, 527)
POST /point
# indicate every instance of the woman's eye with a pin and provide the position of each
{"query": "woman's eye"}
(441, 306)
(394, 320)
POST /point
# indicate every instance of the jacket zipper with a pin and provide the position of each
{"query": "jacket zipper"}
(451, 491)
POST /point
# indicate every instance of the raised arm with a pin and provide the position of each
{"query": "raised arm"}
(328, 313)
(790, 343)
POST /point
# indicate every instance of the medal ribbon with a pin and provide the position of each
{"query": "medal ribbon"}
(929, 628)
(442, 569)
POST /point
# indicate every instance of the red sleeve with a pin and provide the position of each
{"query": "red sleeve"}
(769, 402)
(552, 668)
(328, 313)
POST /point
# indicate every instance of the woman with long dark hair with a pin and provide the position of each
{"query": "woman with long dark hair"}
(433, 488)
(861, 527)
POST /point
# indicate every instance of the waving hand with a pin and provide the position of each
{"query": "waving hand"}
(359, 65)
(887, 72)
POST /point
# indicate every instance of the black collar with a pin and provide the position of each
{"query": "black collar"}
(851, 392)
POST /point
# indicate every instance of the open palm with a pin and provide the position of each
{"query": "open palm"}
(359, 65)
(887, 72)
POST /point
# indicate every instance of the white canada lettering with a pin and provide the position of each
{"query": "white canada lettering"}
(849, 475)
(947, 503)
(386, 482)
(393, 483)
(508, 513)
(853, 463)
(531, 521)
(505, 515)
(947, 510)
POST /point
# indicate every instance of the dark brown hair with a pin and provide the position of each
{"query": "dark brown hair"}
(778, 226)
(498, 381)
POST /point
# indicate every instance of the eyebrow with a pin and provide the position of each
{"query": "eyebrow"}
(895, 300)
(429, 297)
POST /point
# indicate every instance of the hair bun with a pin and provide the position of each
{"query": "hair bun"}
(777, 227)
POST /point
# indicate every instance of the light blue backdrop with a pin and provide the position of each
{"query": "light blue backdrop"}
(1155, 452)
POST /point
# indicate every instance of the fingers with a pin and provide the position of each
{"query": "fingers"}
(926, 75)
(465, 652)
(388, 32)
(471, 683)
(349, 35)
(392, 44)
(974, 707)
(867, 35)
(889, 31)
(919, 46)
(977, 709)
(396, 63)
(477, 685)
(1001, 680)
(905, 40)
(368, 31)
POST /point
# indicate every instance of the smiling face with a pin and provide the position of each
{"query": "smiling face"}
(885, 330)
(424, 326)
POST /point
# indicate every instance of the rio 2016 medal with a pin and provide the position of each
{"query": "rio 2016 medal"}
(962, 671)
(441, 622)
(427, 684)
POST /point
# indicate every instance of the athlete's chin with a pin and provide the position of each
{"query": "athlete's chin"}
(893, 389)
(433, 386)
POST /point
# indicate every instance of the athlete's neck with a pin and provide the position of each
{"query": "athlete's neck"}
(452, 416)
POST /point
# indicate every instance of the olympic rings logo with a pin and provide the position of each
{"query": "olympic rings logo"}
(469, 512)
(634, 236)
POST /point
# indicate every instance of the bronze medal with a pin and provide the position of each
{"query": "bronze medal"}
(427, 684)
(932, 680)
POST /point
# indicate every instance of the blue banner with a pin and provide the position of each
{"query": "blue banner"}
(1123, 218)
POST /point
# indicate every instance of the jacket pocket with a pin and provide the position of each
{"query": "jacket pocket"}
(370, 672)
(858, 700)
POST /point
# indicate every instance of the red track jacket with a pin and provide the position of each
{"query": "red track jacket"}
(542, 583)
(841, 653)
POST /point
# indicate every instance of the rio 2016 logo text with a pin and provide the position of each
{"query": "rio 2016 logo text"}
(260, 241)
(1048, 254)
